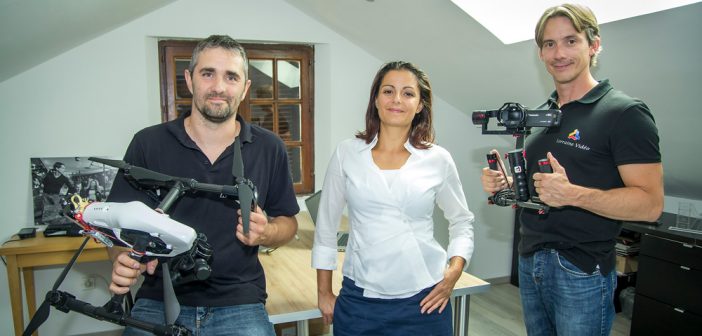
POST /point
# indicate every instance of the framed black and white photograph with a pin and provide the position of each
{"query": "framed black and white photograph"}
(56, 179)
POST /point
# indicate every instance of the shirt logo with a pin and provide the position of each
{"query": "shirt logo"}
(574, 135)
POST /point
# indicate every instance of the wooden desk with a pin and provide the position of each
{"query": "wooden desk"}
(291, 283)
(23, 255)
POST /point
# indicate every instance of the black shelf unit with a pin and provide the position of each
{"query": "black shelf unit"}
(668, 297)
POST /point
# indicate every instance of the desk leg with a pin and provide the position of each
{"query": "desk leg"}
(303, 328)
(15, 285)
(28, 274)
(461, 309)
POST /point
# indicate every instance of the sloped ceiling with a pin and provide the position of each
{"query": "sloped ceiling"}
(34, 31)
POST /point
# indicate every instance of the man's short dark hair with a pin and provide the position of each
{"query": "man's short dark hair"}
(219, 41)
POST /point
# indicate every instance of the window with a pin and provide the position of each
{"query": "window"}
(279, 99)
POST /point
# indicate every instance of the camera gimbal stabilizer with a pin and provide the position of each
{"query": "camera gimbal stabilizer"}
(149, 234)
(517, 121)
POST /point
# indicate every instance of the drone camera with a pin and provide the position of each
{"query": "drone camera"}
(195, 264)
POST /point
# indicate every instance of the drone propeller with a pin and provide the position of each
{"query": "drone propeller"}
(42, 313)
(246, 197)
(246, 192)
(172, 307)
(142, 175)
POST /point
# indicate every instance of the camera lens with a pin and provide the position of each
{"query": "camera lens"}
(479, 117)
(512, 116)
(202, 269)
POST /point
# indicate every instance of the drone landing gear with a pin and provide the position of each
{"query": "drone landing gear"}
(172, 307)
(111, 311)
(66, 302)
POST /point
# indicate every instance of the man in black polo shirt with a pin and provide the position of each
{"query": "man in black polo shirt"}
(200, 145)
(607, 168)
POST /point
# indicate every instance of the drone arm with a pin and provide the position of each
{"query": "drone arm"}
(173, 195)
(66, 302)
(244, 189)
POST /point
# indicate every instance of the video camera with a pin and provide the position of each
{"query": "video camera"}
(517, 121)
(516, 118)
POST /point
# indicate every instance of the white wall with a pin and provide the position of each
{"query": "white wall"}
(93, 98)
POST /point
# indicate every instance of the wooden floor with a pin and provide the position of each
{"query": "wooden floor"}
(498, 312)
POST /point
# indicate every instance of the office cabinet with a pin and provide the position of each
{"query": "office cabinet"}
(668, 297)
(652, 317)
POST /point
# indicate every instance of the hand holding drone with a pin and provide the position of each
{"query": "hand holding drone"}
(149, 234)
(517, 121)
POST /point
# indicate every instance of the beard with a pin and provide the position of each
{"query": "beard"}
(216, 113)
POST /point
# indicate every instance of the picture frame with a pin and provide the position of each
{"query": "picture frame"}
(56, 179)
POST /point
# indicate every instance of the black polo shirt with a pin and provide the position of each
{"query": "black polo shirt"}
(237, 276)
(599, 132)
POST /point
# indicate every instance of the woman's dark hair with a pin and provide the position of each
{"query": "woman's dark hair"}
(421, 134)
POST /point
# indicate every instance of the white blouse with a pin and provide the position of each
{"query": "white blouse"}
(391, 251)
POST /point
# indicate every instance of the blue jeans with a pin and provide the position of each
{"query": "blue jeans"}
(243, 320)
(560, 299)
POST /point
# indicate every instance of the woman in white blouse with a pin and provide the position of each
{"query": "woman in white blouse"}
(397, 278)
